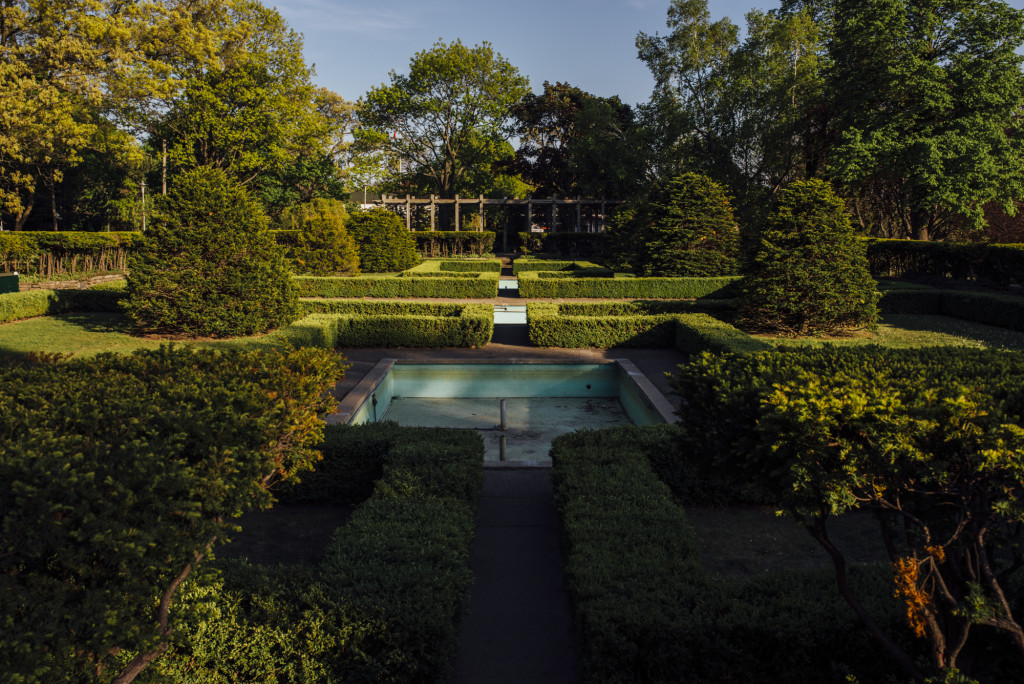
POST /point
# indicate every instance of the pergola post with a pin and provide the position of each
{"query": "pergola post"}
(456, 212)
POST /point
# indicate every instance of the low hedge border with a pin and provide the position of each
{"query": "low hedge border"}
(636, 324)
(341, 323)
(1000, 264)
(15, 306)
(455, 286)
(988, 308)
(527, 264)
(386, 601)
(645, 609)
(452, 266)
(532, 286)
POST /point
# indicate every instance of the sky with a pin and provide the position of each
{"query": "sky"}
(586, 43)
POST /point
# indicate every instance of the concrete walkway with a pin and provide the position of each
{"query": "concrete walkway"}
(519, 628)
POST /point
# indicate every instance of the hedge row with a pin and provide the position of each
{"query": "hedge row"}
(340, 323)
(989, 308)
(523, 265)
(645, 609)
(385, 603)
(1001, 264)
(457, 286)
(46, 253)
(442, 243)
(565, 243)
(450, 267)
(533, 287)
(15, 306)
(635, 324)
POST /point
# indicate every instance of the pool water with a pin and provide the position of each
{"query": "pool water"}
(542, 401)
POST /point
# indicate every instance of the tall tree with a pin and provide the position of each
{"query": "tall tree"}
(433, 119)
(928, 95)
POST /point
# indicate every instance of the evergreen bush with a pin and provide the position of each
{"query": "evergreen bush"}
(324, 247)
(208, 267)
(809, 273)
(384, 243)
(691, 230)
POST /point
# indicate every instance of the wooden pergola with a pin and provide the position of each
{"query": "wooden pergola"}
(597, 216)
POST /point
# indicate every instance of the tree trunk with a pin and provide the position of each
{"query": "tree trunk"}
(919, 224)
(19, 223)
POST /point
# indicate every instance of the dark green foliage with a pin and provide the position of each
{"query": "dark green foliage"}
(532, 286)
(209, 266)
(443, 243)
(457, 286)
(118, 474)
(692, 232)
(323, 246)
(385, 603)
(701, 332)
(989, 308)
(471, 266)
(15, 306)
(976, 261)
(646, 610)
(525, 265)
(565, 244)
(384, 243)
(808, 274)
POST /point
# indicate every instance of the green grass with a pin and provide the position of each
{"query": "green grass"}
(88, 334)
(916, 330)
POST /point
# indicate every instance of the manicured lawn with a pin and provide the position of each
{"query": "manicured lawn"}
(915, 330)
(88, 334)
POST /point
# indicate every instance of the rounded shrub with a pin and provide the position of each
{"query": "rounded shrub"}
(384, 243)
(324, 246)
(809, 273)
(690, 230)
(208, 267)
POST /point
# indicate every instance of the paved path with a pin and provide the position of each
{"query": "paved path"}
(519, 628)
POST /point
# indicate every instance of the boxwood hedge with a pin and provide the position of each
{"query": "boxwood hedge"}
(341, 323)
(645, 609)
(532, 286)
(15, 306)
(989, 308)
(454, 285)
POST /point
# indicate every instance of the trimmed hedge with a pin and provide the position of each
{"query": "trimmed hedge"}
(385, 603)
(1000, 264)
(457, 286)
(645, 609)
(15, 306)
(635, 324)
(472, 266)
(442, 243)
(532, 286)
(45, 253)
(989, 308)
(341, 323)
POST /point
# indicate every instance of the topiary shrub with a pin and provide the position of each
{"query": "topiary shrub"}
(384, 243)
(689, 230)
(809, 273)
(324, 247)
(208, 267)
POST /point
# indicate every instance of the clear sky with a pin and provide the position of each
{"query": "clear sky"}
(587, 43)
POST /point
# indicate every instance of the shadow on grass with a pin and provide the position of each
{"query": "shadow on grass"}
(105, 322)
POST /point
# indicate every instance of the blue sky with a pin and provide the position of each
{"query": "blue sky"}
(587, 43)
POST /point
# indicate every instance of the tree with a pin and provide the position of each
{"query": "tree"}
(384, 243)
(691, 230)
(429, 120)
(809, 272)
(927, 95)
(208, 267)
(119, 475)
(324, 247)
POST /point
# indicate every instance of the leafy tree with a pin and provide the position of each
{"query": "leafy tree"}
(809, 272)
(118, 476)
(324, 246)
(453, 98)
(927, 95)
(208, 267)
(384, 243)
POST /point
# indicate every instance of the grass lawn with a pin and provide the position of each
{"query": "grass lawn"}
(914, 330)
(88, 334)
